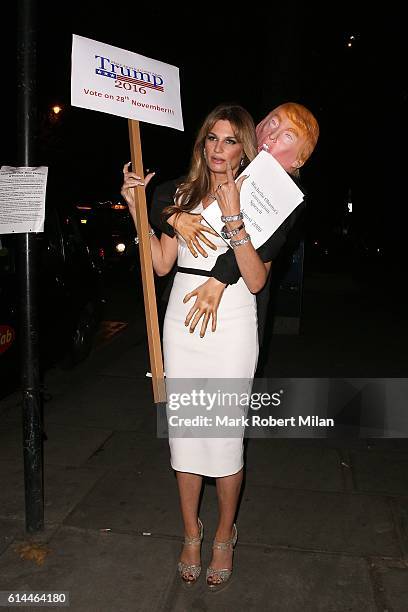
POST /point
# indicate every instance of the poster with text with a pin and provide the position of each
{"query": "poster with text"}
(22, 199)
(122, 83)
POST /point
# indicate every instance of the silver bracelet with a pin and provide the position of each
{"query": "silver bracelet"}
(229, 218)
(229, 234)
(151, 233)
(236, 243)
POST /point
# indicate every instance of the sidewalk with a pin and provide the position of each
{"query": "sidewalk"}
(323, 524)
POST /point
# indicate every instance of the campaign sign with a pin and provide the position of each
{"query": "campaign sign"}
(122, 83)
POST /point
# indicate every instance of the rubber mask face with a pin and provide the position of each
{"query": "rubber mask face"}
(280, 137)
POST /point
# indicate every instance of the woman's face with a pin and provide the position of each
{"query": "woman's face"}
(280, 137)
(221, 146)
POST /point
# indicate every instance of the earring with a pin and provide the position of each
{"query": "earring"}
(242, 162)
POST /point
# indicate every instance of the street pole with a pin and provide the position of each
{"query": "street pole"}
(27, 251)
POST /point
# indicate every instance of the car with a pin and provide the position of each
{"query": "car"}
(70, 297)
(110, 235)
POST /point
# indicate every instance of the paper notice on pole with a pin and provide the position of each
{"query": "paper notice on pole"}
(22, 199)
(122, 83)
(268, 196)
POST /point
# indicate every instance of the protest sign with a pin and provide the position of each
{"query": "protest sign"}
(123, 83)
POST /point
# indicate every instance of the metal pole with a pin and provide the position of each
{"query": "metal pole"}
(30, 379)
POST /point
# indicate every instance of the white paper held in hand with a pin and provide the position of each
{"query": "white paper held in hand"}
(268, 196)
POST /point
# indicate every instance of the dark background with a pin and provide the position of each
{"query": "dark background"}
(258, 56)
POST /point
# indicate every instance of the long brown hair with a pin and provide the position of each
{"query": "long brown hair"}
(198, 182)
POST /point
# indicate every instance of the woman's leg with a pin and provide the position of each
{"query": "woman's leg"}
(189, 490)
(228, 490)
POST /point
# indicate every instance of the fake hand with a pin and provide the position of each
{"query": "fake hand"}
(190, 228)
(208, 297)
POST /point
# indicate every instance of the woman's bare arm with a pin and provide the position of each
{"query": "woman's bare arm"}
(253, 270)
(164, 251)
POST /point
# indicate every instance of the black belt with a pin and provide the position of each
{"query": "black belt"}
(194, 271)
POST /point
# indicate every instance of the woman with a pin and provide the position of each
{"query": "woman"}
(225, 144)
(290, 133)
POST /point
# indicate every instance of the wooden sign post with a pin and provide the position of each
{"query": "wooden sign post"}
(146, 265)
(149, 91)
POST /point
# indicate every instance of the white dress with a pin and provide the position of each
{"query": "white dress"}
(231, 352)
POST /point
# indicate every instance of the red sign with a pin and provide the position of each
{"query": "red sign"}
(7, 336)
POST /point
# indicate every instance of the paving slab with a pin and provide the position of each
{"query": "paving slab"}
(64, 444)
(131, 501)
(11, 443)
(14, 530)
(132, 451)
(64, 487)
(284, 581)
(343, 443)
(398, 445)
(141, 502)
(400, 512)
(394, 579)
(9, 403)
(106, 403)
(133, 362)
(102, 572)
(341, 522)
(113, 571)
(293, 466)
(381, 472)
(11, 412)
(8, 531)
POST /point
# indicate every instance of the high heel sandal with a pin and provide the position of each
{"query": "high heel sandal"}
(223, 575)
(184, 569)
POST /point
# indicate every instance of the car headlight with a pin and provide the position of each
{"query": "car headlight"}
(120, 247)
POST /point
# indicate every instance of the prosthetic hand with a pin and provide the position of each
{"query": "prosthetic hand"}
(190, 228)
(208, 297)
